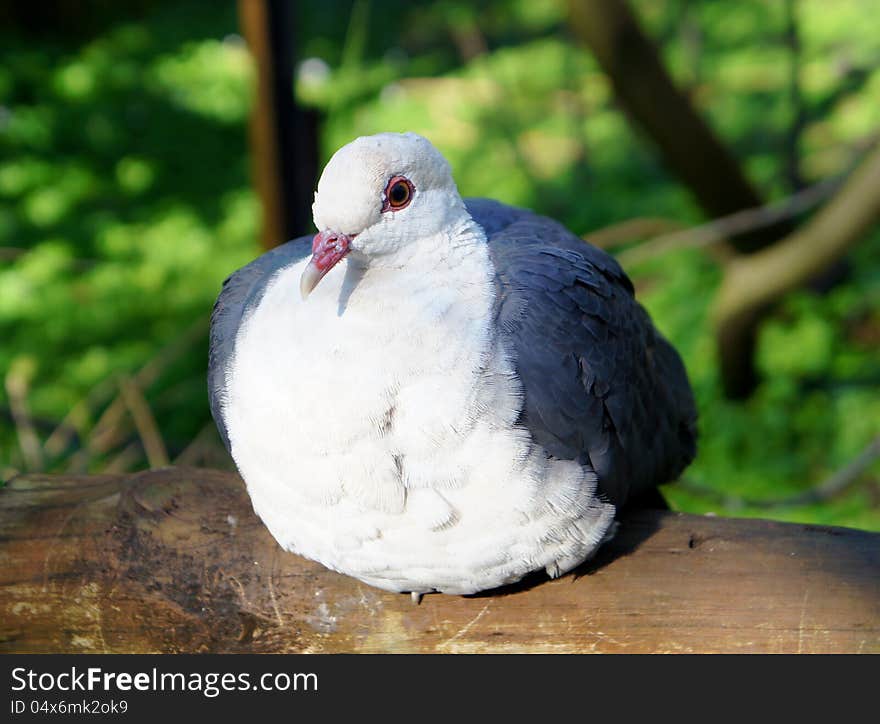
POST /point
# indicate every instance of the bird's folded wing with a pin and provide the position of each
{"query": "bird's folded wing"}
(601, 385)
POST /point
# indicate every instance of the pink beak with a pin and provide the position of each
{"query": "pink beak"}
(328, 248)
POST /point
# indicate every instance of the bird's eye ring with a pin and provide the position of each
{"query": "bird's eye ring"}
(398, 193)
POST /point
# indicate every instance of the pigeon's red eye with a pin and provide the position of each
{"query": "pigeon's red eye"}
(398, 194)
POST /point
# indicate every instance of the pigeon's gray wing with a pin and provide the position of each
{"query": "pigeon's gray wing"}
(601, 384)
(242, 291)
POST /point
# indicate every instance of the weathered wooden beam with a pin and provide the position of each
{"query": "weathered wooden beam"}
(176, 561)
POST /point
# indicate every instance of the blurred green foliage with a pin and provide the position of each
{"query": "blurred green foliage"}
(125, 199)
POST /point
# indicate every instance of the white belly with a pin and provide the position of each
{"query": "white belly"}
(377, 435)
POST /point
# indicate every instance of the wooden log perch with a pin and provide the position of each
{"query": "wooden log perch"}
(175, 560)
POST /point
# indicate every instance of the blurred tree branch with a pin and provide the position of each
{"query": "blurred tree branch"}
(753, 283)
(111, 427)
(833, 486)
(765, 268)
(648, 94)
(145, 423)
(17, 383)
(719, 230)
(623, 232)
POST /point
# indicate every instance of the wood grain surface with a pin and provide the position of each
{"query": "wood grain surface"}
(175, 560)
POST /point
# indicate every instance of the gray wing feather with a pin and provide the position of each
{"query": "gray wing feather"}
(241, 292)
(601, 384)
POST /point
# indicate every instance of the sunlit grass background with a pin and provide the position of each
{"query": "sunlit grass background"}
(125, 199)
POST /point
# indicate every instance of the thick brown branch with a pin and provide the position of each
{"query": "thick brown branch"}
(753, 283)
(648, 94)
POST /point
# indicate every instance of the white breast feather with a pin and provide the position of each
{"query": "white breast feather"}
(381, 439)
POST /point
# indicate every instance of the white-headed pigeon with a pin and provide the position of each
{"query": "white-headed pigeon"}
(437, 394)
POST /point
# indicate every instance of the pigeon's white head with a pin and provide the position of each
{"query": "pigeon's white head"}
(376, 196)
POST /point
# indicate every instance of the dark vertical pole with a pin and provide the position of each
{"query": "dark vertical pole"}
(283, 136)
